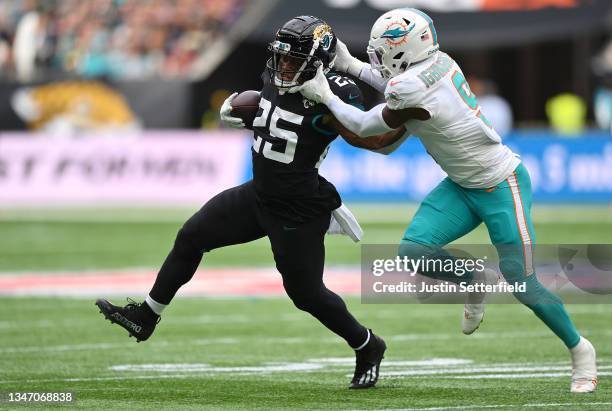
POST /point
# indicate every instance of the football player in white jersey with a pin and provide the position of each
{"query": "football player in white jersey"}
(426, 91)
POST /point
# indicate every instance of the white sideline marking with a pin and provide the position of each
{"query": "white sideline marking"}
(56, 348)
(433, 362)
(284, 367)
(133, 377)
(481, 336)
(520, 376)
(213, 341)
(492, 406)
(271, 340)
(110, 346)
(453, 368)
(200, 319)
(510, 372)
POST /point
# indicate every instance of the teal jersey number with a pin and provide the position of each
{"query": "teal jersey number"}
(463, 88)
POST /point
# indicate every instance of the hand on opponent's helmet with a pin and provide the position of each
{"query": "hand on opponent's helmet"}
(345, 62)
(316, 89)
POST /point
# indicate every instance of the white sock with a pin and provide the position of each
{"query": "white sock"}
(156, 307)
(365, 343)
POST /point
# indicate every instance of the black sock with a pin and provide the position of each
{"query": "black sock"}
(176, 271)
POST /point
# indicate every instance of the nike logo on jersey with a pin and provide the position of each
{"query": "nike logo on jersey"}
(394, 83)
(352, 97)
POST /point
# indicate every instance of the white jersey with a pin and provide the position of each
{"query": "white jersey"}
(458, 136)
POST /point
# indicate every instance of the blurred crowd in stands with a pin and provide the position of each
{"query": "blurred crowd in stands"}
(122, 39)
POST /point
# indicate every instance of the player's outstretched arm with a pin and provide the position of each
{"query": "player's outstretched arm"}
(378, 120)
(383, 143)
(346, 63)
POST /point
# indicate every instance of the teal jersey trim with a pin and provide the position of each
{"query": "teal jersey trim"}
(319, 129)
(327, 132)
(431, 25)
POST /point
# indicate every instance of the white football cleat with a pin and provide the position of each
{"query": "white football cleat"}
(473, 310)
(584, 367)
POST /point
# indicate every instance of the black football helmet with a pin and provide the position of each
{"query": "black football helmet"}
(300, 46)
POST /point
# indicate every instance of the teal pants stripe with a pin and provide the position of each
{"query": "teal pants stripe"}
(451, 211)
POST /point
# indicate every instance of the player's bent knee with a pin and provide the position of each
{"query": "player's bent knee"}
(414, 250)
(307, 301)
(303, 304)
(185, 241)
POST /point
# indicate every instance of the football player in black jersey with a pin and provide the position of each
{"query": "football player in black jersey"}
(287, 200)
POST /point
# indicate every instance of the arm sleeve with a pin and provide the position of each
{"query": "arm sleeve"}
(348, 92)
(373, 78)
(362, 123)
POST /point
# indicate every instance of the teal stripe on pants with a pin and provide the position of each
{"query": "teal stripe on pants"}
(451, 211)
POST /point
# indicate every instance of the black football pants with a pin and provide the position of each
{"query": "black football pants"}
(235, 217)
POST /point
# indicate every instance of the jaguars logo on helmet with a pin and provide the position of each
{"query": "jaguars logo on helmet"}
(323, 35)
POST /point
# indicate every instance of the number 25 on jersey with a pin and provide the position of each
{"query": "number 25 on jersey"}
(290, 137)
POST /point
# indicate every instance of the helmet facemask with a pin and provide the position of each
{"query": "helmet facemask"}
(289, 69)
(375, 54)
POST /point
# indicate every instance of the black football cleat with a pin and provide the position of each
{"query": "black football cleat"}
(138, 319)
(367, 363)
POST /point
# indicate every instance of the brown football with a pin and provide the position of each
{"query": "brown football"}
(245, 106)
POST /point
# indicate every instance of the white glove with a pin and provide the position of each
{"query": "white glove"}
(345, 62)
(316, 89)
(226, 117)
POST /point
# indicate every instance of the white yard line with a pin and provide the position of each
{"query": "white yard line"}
(267, 340)
(449, 368)
(521, 376)
(86, 379)
(493, 406)
(111, 346)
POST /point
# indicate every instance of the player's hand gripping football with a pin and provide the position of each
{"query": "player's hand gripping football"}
(226, 117)
(345, 62)
(316, 89)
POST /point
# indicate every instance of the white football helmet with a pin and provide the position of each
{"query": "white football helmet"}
(399, 39)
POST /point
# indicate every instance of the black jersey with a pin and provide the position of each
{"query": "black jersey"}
(290, 143)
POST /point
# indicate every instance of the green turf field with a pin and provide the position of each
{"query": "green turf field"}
(94, 239)
(263, 353)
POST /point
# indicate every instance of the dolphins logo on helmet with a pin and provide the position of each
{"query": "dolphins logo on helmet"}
(399, 39)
